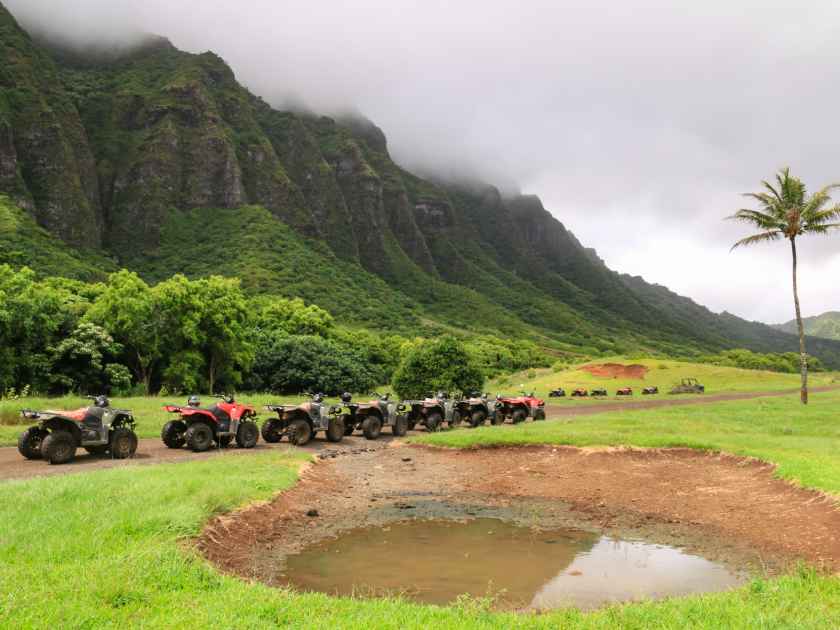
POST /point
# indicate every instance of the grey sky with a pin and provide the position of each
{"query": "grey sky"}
(638, 123)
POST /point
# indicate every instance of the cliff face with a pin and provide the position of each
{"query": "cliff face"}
(109, 149)
(46, 164)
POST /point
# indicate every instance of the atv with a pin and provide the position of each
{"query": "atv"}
(477, 409)
(519, 408)
(371, 416)
(688, 386)
(98, 429)
(649, 391)
(200, 427)
(599, 392)
(301, 422)
(432, 412)
(580, 392)
(624, 391)
(557, 393)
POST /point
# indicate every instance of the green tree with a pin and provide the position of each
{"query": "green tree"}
(127, 309)
(79, 360)
(291, 364)
(442, 364)
(787, 212)
(225, 327)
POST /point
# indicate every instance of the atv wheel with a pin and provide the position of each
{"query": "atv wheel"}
(400, 427)
(172, 434)
(478, 419)
(372, 427)
(539, 414)
(336, 430)
(29, 442)
(199, 437)
(247, 435)
(433, 422)
(497, 419)
(349, 426)
(519, 416)
(299, 432)
(59, 447)
(123, 443)
(96, 450)
(272, 430)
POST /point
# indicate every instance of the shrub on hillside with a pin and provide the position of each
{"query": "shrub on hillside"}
(443, 364)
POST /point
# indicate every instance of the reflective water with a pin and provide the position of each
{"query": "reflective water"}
(435, 561)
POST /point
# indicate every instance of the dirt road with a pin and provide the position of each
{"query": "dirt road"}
(152, 451)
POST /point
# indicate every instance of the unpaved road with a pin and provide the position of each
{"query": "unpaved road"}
(152, 450)
(728, 509)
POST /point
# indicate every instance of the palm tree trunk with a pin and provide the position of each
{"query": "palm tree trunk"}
(803, 358)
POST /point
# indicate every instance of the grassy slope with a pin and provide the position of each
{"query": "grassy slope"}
(103, 549)
(24, 243)
(826, 325)
(803, 441)
(663, 373)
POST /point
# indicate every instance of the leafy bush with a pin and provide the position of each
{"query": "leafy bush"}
(289, 364)
(787, 362)
(443, 364)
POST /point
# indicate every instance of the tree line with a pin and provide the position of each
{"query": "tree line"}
(207, 335)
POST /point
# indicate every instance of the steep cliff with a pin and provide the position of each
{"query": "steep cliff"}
(171, 165)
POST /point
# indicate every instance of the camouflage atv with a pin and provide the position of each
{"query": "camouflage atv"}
(688, 386)
(99, 429)
(371, 416)
(432, 412)
(599, 392)
(477, 409)
(650, 391)
(300, 422)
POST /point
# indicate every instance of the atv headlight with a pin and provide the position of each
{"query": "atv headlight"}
(335, 409)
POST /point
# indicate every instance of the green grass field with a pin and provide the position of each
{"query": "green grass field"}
(110, 549)
(663, 373)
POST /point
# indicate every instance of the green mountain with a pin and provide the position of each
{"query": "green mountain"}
(160, 161)
(825, 326)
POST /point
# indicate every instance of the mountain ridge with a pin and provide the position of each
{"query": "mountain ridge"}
(156, 138)
(825, 326)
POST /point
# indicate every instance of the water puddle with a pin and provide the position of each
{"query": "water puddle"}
(435, 561)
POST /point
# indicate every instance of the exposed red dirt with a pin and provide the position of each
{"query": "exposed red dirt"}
(726, 508)
(616, 370)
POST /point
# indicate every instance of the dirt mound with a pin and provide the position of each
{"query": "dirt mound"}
(616, 370)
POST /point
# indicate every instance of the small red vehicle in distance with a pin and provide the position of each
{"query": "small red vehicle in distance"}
(519, 408)
(199, 427)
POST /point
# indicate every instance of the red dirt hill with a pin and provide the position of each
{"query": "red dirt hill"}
(617, 370)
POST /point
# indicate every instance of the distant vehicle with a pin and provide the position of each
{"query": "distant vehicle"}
(557, 393)
(300, 422)
(370, 416)
(688, 386)
(648, 391)
(518, 408)
(432, 412)
(598, 392)
(477, 409)
(200, 427)
(99, 429)
(624, 391)
(580, 392)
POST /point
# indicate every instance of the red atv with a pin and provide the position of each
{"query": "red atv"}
(198, 427)
(624, 391)
(99, 429)
(518, 408)
(580, 392)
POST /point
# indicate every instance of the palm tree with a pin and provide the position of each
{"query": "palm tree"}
(788, 212)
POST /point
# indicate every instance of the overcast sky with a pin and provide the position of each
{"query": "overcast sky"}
(637, 123)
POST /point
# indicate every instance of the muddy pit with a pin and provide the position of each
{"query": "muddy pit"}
(656, 523)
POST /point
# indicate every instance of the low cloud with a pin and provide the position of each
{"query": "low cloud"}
(638, 123)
